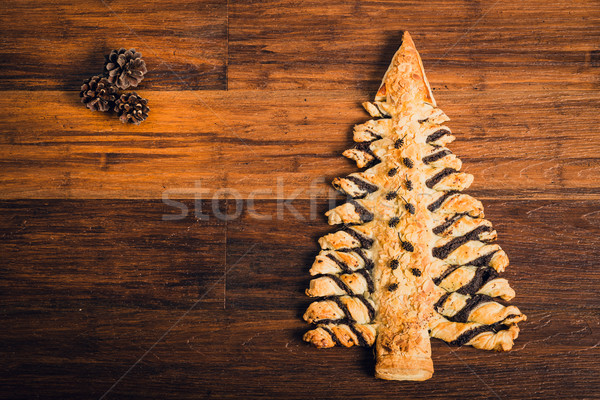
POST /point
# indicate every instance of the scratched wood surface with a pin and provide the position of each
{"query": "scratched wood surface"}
(122, 279)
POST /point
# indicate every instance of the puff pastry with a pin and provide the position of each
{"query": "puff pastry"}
(414, 257)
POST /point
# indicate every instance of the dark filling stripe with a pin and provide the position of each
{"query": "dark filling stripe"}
(374, 135)
(354, 196)
(381, 111)
(510, 316)
(359, 335)
(330, 333)
(368, 305)
(482, 276)
(371, 163)
(434, 180)
(338, 281)
(447, 272)
(438, 305)
(342, 285)
(342, 306)
(367, 275)
(362, 185)
(364, 214)
(365, 242)
(436, 156)
(440, 200)
(365, 147)
(369, 264)
(348, 317)
(438, 230)
(343, 266)
(330, 321)
(482, 261)
(466, 337)
(436, 135)
(347, 320)
(471, 304)
(443, 251)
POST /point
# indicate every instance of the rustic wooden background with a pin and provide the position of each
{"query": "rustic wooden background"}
(106, 292)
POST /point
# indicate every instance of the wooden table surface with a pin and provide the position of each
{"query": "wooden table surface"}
(120, 277)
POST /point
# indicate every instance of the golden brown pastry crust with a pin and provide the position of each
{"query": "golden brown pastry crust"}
(413, 257)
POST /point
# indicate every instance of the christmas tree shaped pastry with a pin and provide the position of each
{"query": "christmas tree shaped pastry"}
(413, 257)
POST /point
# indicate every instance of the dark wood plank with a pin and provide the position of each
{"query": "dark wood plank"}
(233, 354)
(88, 287)
(538, 144)
(58, 44)
(349, 44)
(340, 44)
(74, 255)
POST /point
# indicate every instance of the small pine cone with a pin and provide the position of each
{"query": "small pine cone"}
(98, 94)
(125, 68)
(132, 108)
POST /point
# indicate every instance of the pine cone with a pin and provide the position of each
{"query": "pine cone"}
(132, 108)
(98, 94)
(125, 68)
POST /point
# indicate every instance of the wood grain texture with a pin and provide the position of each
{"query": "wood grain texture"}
(57, 44)
(478, 45)
(106, 289)
(89, 286)
(517, 144)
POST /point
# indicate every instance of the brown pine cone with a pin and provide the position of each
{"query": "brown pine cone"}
(98, 94)
(125, 68)
(132, 108)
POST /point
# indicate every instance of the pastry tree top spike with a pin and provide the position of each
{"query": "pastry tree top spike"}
(414, 257)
